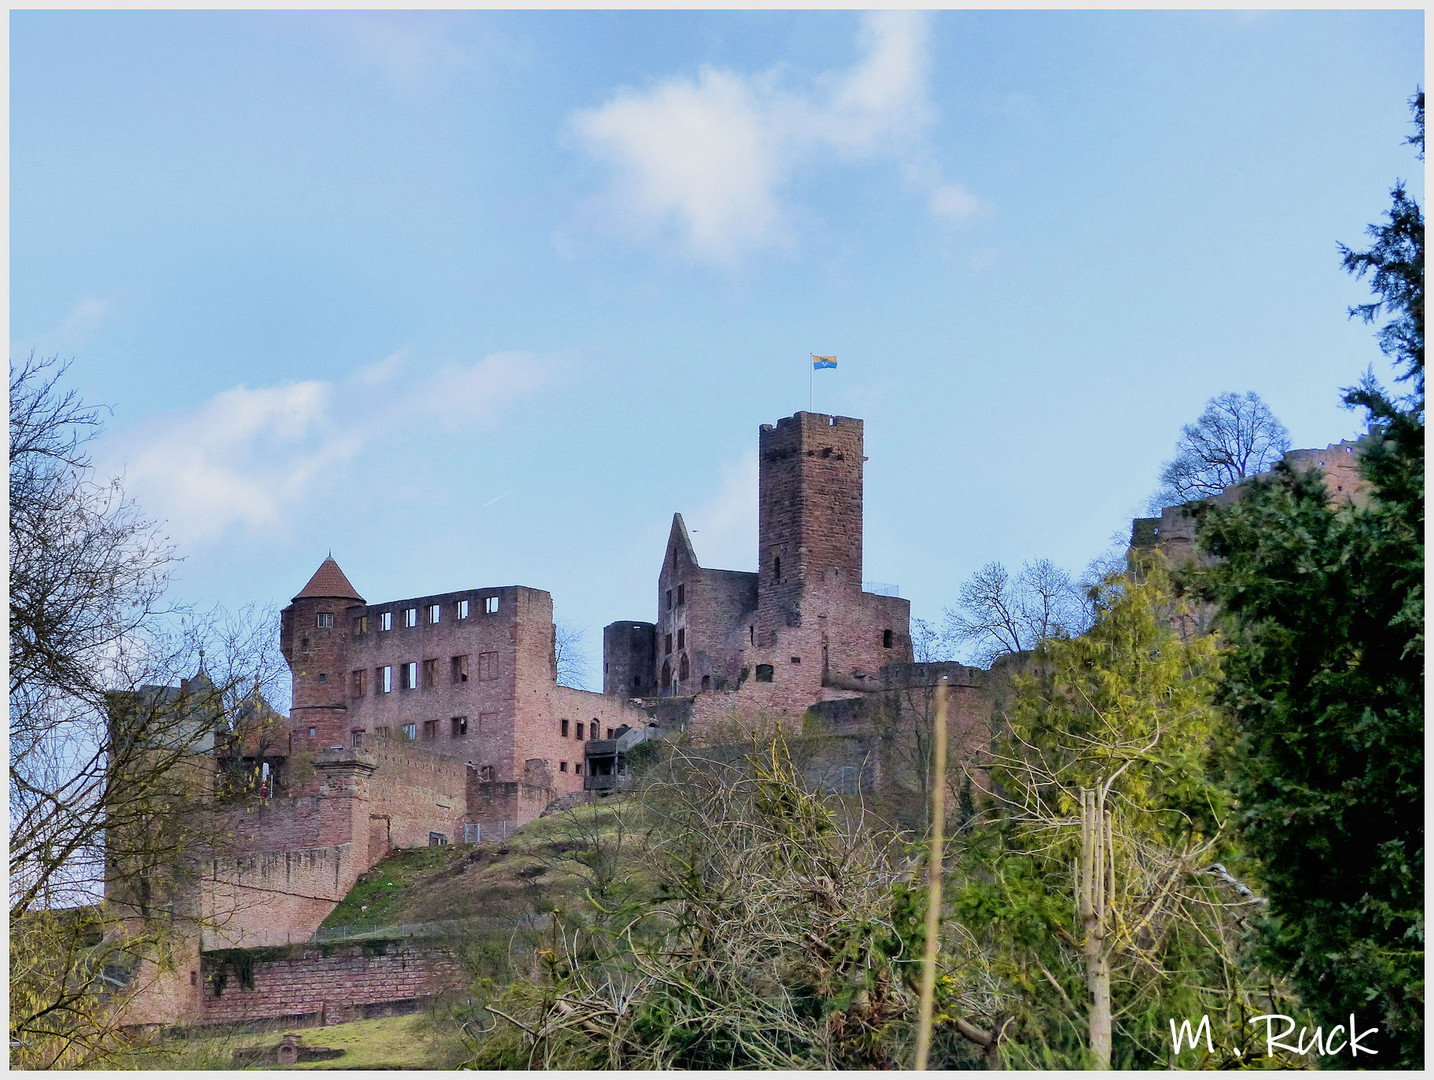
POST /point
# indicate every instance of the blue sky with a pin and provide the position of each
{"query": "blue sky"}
(481, 298)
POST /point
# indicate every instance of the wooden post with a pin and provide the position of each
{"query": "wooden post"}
(933, 903)
(1095, 886)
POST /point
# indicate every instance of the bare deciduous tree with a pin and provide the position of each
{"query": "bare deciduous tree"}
(570, 658)
(997, 614)
(1236, 436)
(105, 778)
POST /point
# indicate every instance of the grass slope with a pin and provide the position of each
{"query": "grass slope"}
(391, 1042)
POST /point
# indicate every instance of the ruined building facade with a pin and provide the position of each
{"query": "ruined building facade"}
(800, 629)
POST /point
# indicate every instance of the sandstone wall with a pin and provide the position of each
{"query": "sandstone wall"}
(318, 983)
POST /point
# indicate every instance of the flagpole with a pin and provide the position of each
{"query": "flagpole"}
(811, 384)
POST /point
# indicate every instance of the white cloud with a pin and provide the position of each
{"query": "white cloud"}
(711, 158)
(246, 457)
(724, 527)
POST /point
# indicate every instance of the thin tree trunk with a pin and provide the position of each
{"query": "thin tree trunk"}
(933, 900)
(1093, 897)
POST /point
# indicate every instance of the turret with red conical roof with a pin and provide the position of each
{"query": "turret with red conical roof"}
(314, 637)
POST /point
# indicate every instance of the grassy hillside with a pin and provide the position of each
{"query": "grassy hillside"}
(564, 862)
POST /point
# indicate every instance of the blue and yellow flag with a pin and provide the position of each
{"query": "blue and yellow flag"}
(819, 362)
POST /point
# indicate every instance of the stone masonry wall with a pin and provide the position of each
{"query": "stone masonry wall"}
(274, 897)
(464, 701)
(413, 793)
(323, 983)
(809, 514)
(627, 658)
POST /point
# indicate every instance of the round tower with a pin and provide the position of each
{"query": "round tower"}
(314, 633)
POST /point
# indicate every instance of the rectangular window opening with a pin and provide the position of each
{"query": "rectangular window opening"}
(487, 666)
(410, 617)
(490, 605)
(435, 611)
(430, 674)
(580, 731)
(384, 680)
(430, 729)
(564, 728)
(409, 675)
(460, 726)
(326, 618)
(460, 669)
(361, 625)
(385, 620)
(886, 639)
(409, 732)
(463, 609)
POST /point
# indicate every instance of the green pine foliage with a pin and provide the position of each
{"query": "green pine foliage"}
(1324, 606)
(1133, 701)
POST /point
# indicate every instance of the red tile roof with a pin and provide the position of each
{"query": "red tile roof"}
(329, 583)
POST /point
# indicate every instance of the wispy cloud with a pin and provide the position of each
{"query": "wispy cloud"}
(411, 51)
(244, 458)
(711, 159)
(76, 328)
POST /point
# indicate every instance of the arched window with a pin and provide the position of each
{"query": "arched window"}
(683, 672)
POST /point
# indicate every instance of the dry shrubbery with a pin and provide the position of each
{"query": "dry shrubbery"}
(780, 934)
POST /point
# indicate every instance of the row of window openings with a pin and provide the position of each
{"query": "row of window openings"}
(592, 729)
(458, 729)
(681, 641)
(681, 594)
(408, 674)
(384, 619)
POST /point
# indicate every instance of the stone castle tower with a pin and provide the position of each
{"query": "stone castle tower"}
(798, 630)
(313, 636)
(809, 526)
